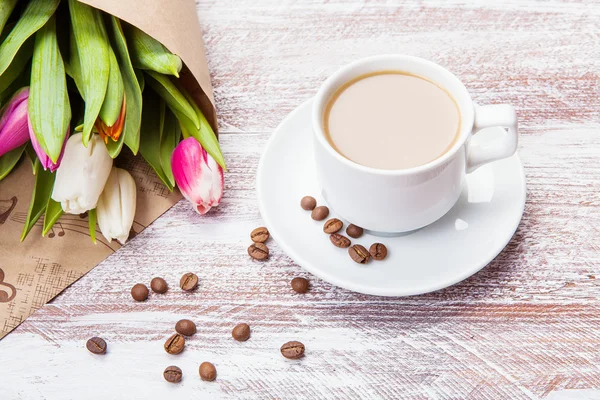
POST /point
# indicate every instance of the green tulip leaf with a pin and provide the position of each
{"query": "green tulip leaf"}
(21, 81)
(92, 218)
(16, 67)
(176, 101)
(34, 17)
(44, 182)
(133, 93)
(140, 77)
(6, 8)
(92, 47)
(53, 212)
(205, 135)
(148, 53)
(32, 156)
(169, 138)
(6, 30)
(114, 147)
(154, 107)
(49, 108)
(9, 160)
(73, 65)
(113, 101)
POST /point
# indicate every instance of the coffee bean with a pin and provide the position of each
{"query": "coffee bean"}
(241, 332)
(308, 203)
(172, 374)
(185, 327)
(292, 350)
(96, 345)
(359, 254)
(300, 285)
(208, 372)
(139, 292)
(258, 251)
(339, 240)
(188, 282)
(354, 231)
(320, 213)
(378, 251)
(333, 225)
(159, 285)
(175, 344)
(260, 235)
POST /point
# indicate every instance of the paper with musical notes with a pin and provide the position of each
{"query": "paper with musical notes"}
(33, 272)
(36, 270)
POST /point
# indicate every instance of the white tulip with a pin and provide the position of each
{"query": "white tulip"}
(116, 206)
(82, 174)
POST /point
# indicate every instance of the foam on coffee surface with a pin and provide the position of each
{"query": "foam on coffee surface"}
(392, 120)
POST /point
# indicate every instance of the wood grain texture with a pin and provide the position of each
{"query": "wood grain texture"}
(525, 327)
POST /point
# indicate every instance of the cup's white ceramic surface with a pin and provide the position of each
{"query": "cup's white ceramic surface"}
(394, 201)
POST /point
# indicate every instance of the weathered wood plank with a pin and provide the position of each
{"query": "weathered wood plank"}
(522, 328)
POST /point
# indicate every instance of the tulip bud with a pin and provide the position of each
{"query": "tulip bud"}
(116, 205)
(198, 176)
(45, 160)
(82, 174)
(113, 132)
(13, 123)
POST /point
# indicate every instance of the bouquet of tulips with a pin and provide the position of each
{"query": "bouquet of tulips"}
(77, 85)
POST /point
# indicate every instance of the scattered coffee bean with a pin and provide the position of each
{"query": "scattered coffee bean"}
(175, 344)
(308, 203)
(260, 235)
(354, 231)
(359, 254)
(172, 374)
(300, 285)
(188, 281)
(339, 240)
(320, 213)
(139, 292)
(185, 327)
(159, 285)
(208, 372)
(241, 332)
(96, 345)
(333, 225)
(258, 251)
(292, 350)
(378, 251)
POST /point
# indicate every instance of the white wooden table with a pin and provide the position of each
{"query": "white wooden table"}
(525, 327)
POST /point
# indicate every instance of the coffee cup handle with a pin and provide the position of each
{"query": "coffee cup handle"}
(500, 115)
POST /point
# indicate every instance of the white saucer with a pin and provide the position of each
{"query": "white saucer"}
(455, 247)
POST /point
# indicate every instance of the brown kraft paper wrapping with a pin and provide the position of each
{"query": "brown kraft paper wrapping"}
(35, 271)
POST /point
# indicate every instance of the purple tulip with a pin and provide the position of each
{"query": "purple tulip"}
(45, 160)
(198, 176)
(13, 122)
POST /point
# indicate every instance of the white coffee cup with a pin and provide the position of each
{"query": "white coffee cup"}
(395, 201)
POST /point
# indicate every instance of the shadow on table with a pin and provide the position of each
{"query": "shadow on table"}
(507, 276)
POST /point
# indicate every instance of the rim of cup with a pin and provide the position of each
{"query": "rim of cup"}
(460, 95)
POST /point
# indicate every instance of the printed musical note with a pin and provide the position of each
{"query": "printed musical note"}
(5, 296)
(53, 233)
(6, 207)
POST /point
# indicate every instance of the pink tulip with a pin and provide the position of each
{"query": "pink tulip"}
(13, 123)
(45, 160)
(197, 174)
